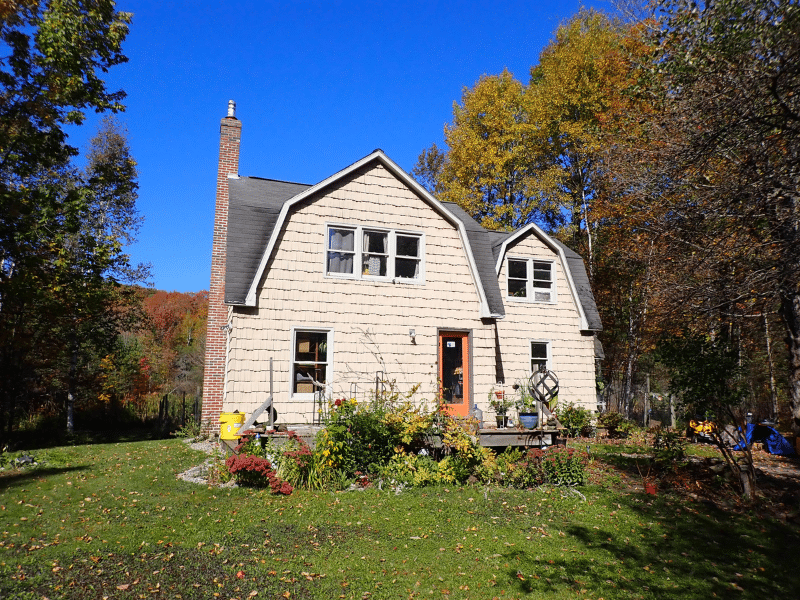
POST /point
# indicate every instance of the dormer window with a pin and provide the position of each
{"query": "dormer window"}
(366, 253)
(530, 279)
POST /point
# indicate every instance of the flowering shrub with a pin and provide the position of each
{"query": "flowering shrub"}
(255, 471)
(409, 423)
(564, 466)
(356, 437)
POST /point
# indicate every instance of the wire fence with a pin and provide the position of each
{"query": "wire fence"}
(640, 398)
(172, 411)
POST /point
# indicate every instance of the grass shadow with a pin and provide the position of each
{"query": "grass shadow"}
(40, 439)
(15, 478)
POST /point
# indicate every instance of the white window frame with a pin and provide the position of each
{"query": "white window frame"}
(530, 288)
(356, 253)
(309, 396)
(548, 359)
(392, 256)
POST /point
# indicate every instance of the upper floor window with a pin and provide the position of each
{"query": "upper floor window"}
(531, 279)
(341, 250)
(361, 252)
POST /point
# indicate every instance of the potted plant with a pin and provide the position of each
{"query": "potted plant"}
(527, 409)
(500, 404)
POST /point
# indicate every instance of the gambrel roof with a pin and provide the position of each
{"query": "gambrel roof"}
(259, 207)
(254, 205)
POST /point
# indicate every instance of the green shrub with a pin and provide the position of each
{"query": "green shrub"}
(190, 430)
(356, 437)
(564, 466)
(576, 419)
(519, 468)
(669, 447)
(371, 441)
(618, 426)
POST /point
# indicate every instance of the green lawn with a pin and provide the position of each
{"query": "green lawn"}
(111, 520)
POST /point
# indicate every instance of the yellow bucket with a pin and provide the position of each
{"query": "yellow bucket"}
(229, 425)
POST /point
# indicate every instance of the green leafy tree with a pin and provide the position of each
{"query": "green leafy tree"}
(57, 241)
(709, 375)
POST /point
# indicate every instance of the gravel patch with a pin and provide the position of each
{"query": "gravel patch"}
(199, 474)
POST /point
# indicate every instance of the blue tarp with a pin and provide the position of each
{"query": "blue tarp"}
(773, 441)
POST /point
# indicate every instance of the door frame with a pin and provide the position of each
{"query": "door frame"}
(466, 335)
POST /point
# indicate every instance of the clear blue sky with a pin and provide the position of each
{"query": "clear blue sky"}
(318, 85)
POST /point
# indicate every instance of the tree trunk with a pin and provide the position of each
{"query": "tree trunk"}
(773, 392)
(73, 367)
(790, 311)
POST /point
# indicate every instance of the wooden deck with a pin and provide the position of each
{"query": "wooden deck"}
(492, 438)
(529, 438)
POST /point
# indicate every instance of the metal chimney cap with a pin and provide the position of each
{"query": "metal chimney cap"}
(232, 109)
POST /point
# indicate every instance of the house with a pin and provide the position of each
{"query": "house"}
(365, 273)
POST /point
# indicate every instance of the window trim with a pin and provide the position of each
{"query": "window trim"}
(549, 359)
(392, 256)
(309, 396)
(530, 289)
(355, 252)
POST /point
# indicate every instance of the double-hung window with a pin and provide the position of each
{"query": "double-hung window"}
(341, 250)
(310, 360)
(408, 257)
(540, 352)
(531, 279)
(375, 253)
(362, 252)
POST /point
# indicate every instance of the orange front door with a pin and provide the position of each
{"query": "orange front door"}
(454, 375)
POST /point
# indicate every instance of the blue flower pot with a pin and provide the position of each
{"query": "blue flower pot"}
(529, 420)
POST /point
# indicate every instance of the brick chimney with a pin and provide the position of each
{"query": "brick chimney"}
(230, 133)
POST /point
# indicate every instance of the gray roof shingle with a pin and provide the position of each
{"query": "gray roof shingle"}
(253, 208)
(583, 287)
(480, 241)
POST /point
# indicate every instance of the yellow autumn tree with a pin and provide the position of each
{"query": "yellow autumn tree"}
(534, 153)
(579, 100)
(490, 169)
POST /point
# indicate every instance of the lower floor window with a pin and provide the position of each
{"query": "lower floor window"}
(539, 356)
(309, 361)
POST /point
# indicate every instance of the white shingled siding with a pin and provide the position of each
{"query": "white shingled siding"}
(571, 354)
(370, 320)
